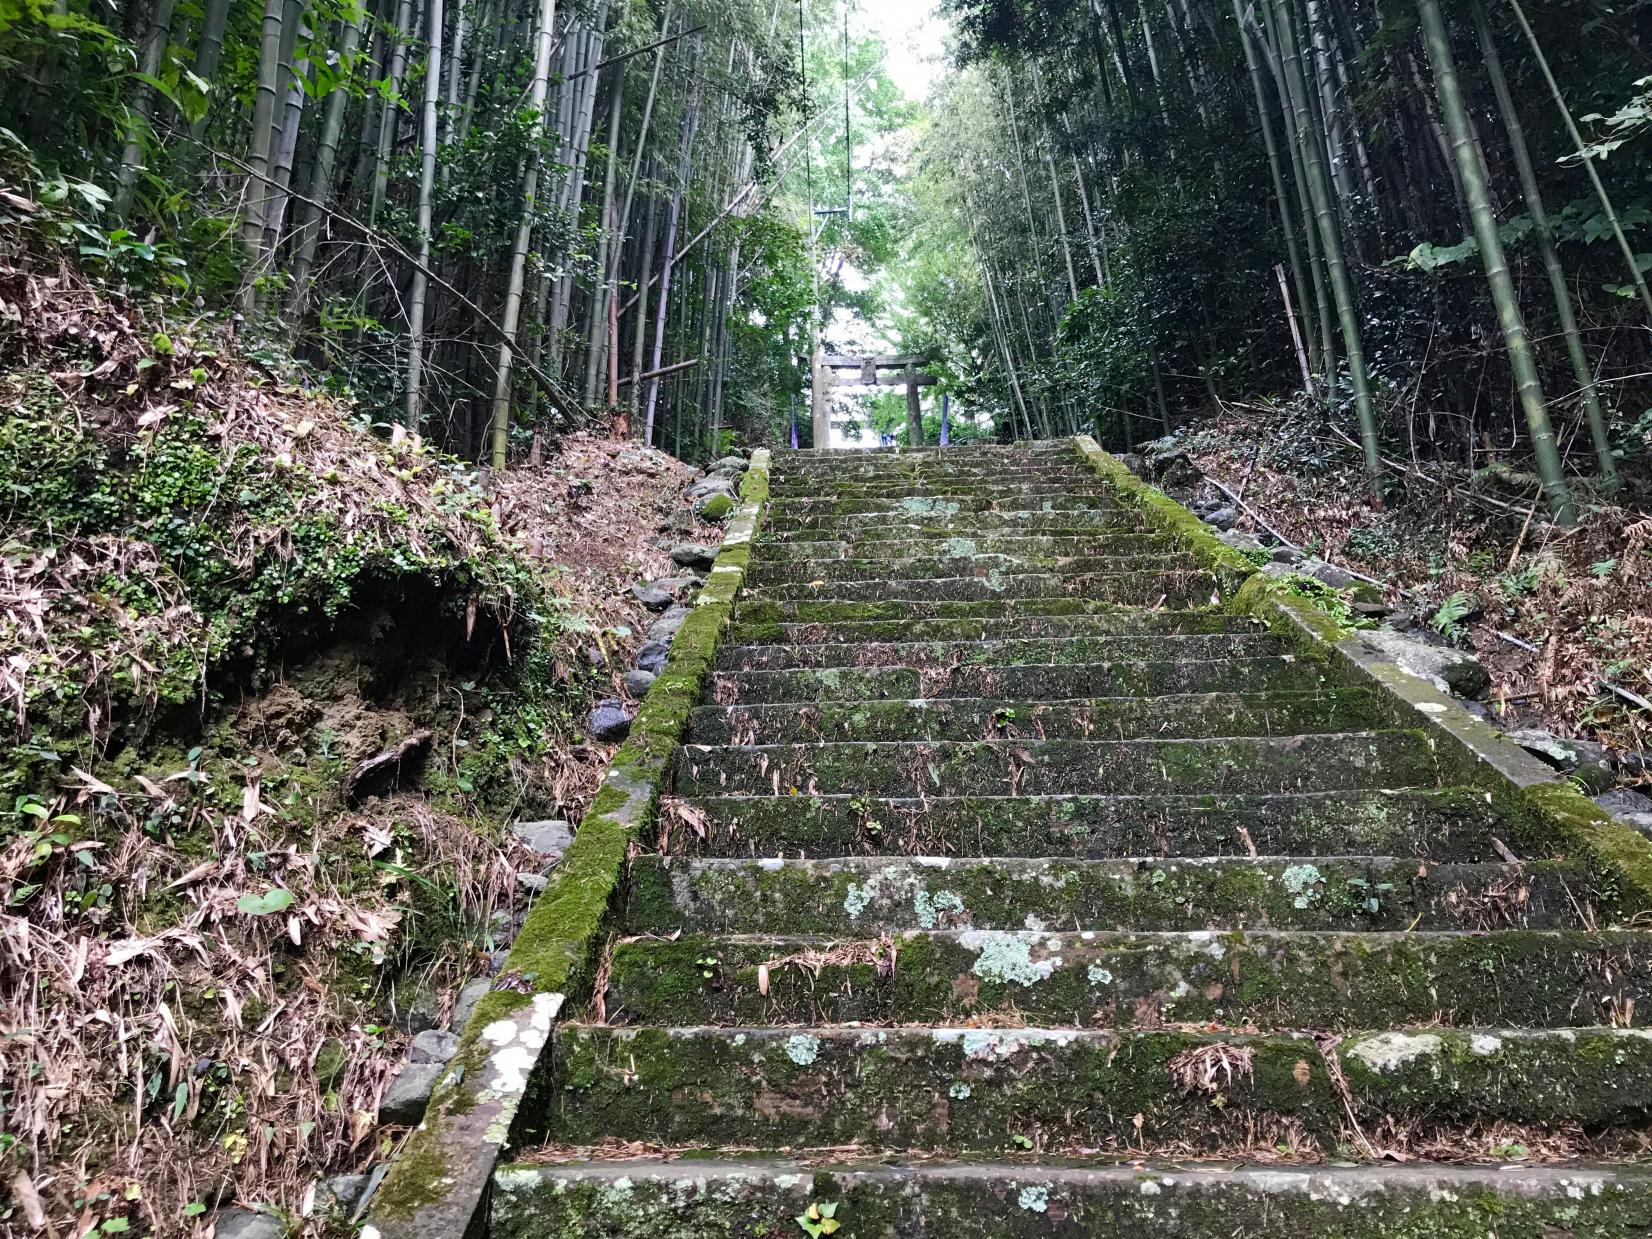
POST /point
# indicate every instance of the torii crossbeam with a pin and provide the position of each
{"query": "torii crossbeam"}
(883, 371)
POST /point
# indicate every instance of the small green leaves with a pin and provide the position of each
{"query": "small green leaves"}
(708, 965)
(271, 901)
(819, 1219)
(1022, 1142)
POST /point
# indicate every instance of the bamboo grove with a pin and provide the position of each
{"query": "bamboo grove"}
(485, 218)
(1429, 215)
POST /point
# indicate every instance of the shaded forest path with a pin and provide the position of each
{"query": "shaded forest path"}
(1006, 868)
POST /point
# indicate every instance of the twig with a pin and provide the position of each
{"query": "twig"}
(1252, 513)
(1633, 698)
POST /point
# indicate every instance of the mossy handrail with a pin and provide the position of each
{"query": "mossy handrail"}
(438, 1184)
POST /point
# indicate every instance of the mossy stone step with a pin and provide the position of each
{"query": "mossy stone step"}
(871, 530)
(1031, 651)
(1128, 619)
(874, 894)
(974, 1090)
(1176, 716)
(1146, 589)
(796, 513)
(1120, 624)
(1025, 683)
(1034, 1199)
(830, 570)
(1014, 480)
(947, 495)
(1442, 824)
(1269, 979)
(1025, 547)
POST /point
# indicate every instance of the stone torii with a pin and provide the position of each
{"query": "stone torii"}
(866, 371)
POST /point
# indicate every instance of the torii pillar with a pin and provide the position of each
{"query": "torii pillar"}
(867, 374)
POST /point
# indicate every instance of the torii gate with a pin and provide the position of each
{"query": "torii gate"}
(866, 372)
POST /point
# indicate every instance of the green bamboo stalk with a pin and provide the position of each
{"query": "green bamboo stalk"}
(1527, 384)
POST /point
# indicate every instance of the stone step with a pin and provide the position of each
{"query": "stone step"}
(878, 528)
(1117, 617)
(1232, 764)
(1102, 624)
(974, 1090)
(1020, 522)
(1024, 683)
(832, 570)
(852, 895)
(1032, 651)
(1026, 546)
(1035, 1199)
(1268, 979)
(1190, 715)
(1441, 824)
(1146, 589)
(1053, 479)
(939, 507)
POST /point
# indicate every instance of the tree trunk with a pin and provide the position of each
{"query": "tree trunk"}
(691, 113)
(1521, 361)
(427, 194)
(263, 117)
(137, 125)
(321, 182)
(543, 35)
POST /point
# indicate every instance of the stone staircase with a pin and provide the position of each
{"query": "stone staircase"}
(1009, 887)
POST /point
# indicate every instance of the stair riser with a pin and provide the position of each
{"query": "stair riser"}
(1031, 627)
(940, 507)
(1443, 824)
(756, 611)
(1026, 683)
(1125, 718)
(1234, 765)
(710, 1201)
(808, 572)
(973, 1091)
(861, 896)
(874, 531)
(1517, 978)
(1035, 651)
(1182, 589)
(1031, 483)
(894, 550)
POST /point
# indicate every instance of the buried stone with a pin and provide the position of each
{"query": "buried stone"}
(609, 721)
(694, 554)
(652, 657)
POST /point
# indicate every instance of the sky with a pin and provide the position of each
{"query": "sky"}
(912, 34)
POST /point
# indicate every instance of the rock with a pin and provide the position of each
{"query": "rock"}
(664, 628)
(728, 466)
(638, 682)
(1286, 555)
(711, 484)
(1131, 461)
(1369, 610)
(385, 771)
(405, 1100)
(1239, 540)
(694, 555)
(610, 720)
(1624, 800)
(1583, 760)
(469, 995)
(1223, 517)
(433, 1045)
(414, 1008)
(1449, 670)
(595, 657)
(345, 1190)
(651, 657)
(1403, 620)
(1330, 574)
(548, 838)
(246, 1224)
(533, 883)
(713, 507)
(664, 592)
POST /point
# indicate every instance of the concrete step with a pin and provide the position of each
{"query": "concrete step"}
(788, 495)
(895, 550)
(1231, 764)
(1119, 624)
(1268, 979)
(1035, 1199)
(1438, 823)
(869, 530)
(811, 571)
(1032, 651)
(1189, 715)
(1144, 589)
(960, 504)
(1115, 617)
(852, 895)
(974, 1090)
(1024, 683)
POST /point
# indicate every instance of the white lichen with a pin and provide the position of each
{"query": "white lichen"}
(1035, 1199)
(802, 1048)
(1389, 1051)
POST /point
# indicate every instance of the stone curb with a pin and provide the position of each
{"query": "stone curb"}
(1473, 750)
(438, 1185)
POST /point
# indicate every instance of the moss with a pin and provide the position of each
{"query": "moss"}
(1620, 856)
(415, 1179)
(716, 507)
